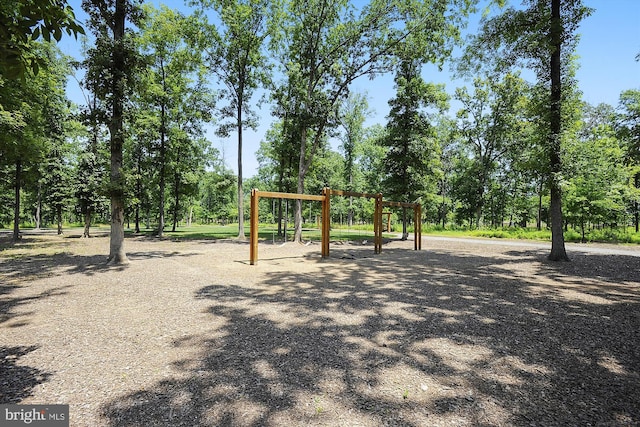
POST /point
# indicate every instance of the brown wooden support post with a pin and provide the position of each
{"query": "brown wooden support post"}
(419, 227)
(416, 226)
(253, 230)
(377, 227)
(326, 221)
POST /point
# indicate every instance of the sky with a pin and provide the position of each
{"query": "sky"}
(609, 44)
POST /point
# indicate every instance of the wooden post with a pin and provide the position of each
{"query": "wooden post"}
(326, 221)
(377, 225)
(253, 230)
(419, 227)
(416, 226)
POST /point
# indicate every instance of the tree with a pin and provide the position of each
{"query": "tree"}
(629, 131)
(278, 158)
(89, 186)
(91, 173)
(542, 37)
(172, 101)
(328, 44)
(352, 116)
(113, 61)
(371, 158)
(489, 126)
(21, 139)
(31, 118)
(412, 150)
(23, 21)
(595, 192)
(236, 57)
(57, 168)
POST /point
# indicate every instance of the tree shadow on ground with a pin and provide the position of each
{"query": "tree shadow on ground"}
(409, 338)
(18, 381)
(23, 268)
(8, 305)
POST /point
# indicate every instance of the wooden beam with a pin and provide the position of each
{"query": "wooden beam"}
(294, 196)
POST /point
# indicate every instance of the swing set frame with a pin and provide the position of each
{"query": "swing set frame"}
(325, 199)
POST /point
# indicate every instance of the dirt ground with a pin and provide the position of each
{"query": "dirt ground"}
(462, 333)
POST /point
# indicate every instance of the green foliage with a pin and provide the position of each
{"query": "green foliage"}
(412, 152)
(492, 127)
(24, 21)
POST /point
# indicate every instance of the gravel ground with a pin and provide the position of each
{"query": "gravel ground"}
(462, 333)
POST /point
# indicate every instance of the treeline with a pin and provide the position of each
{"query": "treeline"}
(484, 162)
(474, 157)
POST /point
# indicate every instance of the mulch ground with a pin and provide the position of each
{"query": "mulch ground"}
(462, 333)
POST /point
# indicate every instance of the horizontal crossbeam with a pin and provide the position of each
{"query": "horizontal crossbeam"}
(293, 196)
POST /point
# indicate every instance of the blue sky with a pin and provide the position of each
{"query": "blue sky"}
(609, 43)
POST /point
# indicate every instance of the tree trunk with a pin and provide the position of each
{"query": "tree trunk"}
(558, 252)
(405, 234)
(162, 183)
(176, 200)
(16, 208)
(138, 191)
(539, 218)
(637, 205)
(241, 235)
(59, 218)
(444, 207)
(297, 220)
(117, 253)
(38, 207)
(87, 222)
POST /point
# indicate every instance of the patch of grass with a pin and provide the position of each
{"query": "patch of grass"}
(571, 235)
(266, 231)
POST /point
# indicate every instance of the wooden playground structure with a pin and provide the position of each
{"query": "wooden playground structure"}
(325, 199)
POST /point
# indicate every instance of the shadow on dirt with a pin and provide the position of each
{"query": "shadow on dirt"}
(8, 305)
(18, 381)
(411, 338)
(22, 267)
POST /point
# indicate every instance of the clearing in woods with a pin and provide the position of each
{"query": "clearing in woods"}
(188, 334)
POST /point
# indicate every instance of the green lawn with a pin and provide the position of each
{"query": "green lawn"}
(365, 232)
(266, 231)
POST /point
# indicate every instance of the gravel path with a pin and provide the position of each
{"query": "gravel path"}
(594, 248)
(463, 333)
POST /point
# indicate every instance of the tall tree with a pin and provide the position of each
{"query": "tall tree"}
(412, 149)
(91, 174)
(236, 56)
(32, 112)
(113, 62)
(629, 131)
(595, 192)
(328, 44)
(541, 36)
(172, 101)
(353, 114)
(489, 125)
